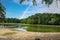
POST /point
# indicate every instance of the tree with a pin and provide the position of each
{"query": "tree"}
(12, 20)
(44, 18)
(47, 2)
(2, 13)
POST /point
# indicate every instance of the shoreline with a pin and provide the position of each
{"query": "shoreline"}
(21, 35)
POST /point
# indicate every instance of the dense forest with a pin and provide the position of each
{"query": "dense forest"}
(43, 18)
(38, 18)
(11, 20)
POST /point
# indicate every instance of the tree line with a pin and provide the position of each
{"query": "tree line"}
(10, 20)
(43, 18)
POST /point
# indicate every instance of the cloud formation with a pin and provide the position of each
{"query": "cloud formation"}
(40, 8)
(27, 2)
(16, 1)
(54, 7)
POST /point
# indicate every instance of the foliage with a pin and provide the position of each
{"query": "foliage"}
(12, 20)
(44, 18)
(47, 2)
(2, 13)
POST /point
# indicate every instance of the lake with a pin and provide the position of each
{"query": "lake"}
(39, 28)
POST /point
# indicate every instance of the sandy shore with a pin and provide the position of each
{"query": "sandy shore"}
(36, 36)
(7, 34)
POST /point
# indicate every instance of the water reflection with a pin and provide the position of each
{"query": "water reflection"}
(39, 28)
(21, 29)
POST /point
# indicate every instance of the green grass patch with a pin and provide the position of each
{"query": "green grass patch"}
(9, 24)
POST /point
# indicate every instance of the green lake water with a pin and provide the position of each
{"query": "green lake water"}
(39, 28)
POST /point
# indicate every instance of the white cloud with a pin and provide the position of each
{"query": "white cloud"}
(40, 8)
(16, 1)
(27, 2)
(24, 12)
(53, 7)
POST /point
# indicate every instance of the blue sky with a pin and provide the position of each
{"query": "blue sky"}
(13, 9)
(16, 10)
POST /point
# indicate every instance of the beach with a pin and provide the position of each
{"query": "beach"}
(8, 34)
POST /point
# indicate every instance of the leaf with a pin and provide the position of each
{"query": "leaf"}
(34, 2)
(21, 1)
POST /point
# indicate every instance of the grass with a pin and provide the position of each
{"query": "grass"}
(9, 24)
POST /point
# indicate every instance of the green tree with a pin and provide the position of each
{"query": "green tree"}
(12, 20)
(2, 13)
(44, 18)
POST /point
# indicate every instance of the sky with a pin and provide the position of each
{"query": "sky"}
(16, 10)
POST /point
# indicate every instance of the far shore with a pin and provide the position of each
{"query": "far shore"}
(25, 24)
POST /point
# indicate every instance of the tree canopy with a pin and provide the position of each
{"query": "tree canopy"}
(47, 2)
(43, 18)
(2, 12)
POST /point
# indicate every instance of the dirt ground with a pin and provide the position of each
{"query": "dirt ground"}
(7, 34)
